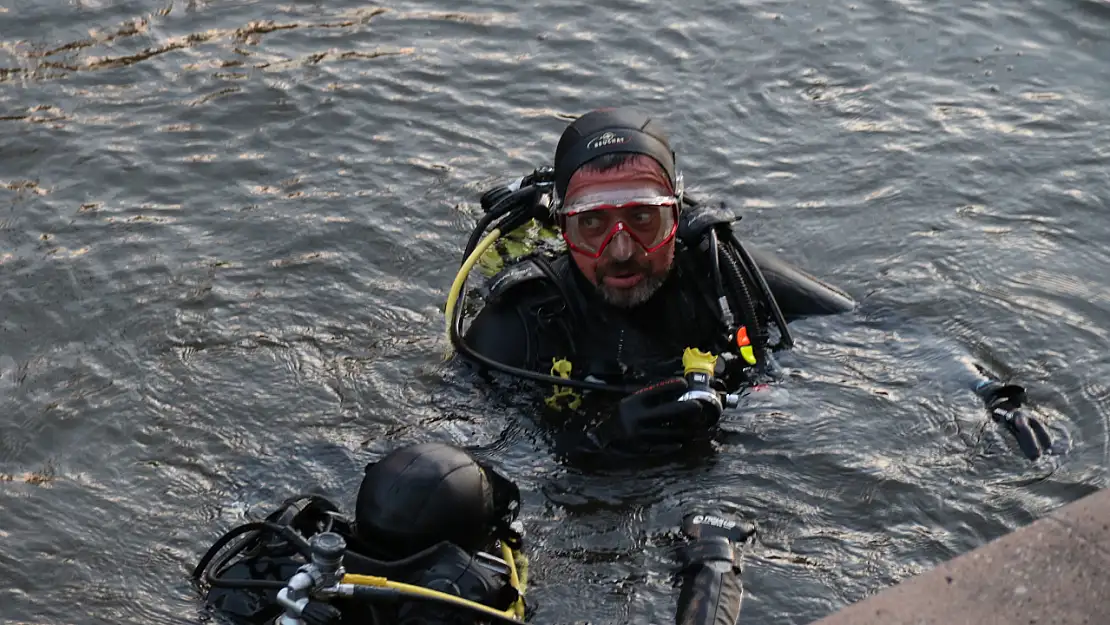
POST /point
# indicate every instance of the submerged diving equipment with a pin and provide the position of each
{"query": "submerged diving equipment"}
(324, 578)
(701, 525)
(304, 596)
(1004, 402)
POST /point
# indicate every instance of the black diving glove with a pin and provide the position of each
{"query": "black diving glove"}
(712, 587)
(654, 415)
(319, 613)
(1005, 401)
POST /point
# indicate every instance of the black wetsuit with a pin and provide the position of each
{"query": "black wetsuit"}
(527, 323)
(533, 317)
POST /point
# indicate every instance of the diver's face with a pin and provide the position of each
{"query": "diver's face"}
(625, 274)
(621, 237)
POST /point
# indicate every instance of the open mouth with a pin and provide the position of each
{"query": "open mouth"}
(623, 279)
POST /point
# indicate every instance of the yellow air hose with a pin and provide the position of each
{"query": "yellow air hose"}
(516, 610)
(460, 280)
(510, 558)
(420, 591)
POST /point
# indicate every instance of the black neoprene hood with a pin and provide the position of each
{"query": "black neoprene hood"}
(608, 131)
(417, 496)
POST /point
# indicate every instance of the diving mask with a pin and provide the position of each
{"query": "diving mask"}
(591, 222)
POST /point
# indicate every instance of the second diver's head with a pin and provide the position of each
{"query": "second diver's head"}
(618, 202)
(419, 495)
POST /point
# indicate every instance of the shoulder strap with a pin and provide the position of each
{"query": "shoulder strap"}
(512, 277)
(543, 281)
(310, 514)
(698, 217)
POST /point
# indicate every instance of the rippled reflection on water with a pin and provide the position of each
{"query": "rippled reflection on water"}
(227, 229)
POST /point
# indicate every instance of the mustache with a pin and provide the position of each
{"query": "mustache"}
(623, 267)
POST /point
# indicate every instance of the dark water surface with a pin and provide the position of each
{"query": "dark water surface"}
(227, 230)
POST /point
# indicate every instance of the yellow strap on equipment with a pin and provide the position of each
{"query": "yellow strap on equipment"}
(562, 368)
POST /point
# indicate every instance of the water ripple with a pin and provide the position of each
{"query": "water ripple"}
(227, 229)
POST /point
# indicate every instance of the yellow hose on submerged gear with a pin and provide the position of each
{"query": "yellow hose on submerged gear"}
(521, 563)
(510, 556)
(420, 591)
(460, 279)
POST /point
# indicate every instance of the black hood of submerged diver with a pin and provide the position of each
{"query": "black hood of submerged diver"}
(423, 494)
(609, 131)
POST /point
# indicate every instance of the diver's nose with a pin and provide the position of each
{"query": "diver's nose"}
(622, 247)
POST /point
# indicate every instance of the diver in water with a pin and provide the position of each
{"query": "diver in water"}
(655, 301)
(647, 274)
(418, 552)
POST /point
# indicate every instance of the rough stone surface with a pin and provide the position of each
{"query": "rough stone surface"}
(1053, 572)
(1090, 518)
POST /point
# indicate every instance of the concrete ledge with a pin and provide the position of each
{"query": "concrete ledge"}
(1055, 571)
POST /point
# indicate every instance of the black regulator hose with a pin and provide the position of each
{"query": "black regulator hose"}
(715, 263)
(459, 342)
(756, 330)
(506, 204)
(785, 340)
(259, 527)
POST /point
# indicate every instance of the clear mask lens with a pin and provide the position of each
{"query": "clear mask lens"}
(651, 221)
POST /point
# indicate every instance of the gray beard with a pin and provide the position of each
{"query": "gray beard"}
(630, 298)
